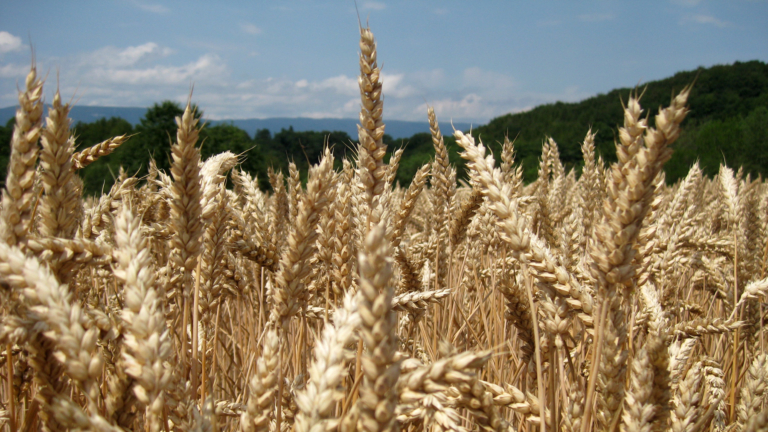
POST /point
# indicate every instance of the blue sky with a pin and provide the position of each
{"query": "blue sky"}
(472, 61)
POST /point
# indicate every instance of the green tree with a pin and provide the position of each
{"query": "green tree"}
(100, 175)
(156, 132)
(755, 135)
(6, 132)
(739, 141)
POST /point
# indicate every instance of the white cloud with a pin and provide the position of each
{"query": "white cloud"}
(332, 97)
(482, 95)
(111, 58)
(132, 55)
(471, 106)
(372, 5)
(475, 78)
(150, 7)
(13, 71)
(394, 85)
(207, 66)
(125, 76)
(707, 20)
(142, 74)
(688, 3)
(596, 17)
(249, 28)
(341, 84)
(428, 79)
(276, 97)
(347, 109)
(548, 23)
(9, 42)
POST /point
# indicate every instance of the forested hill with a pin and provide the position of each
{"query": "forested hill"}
(728, 120)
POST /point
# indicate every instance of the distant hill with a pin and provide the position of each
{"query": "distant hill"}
(727, 105)
(395, 128)
(88, 114)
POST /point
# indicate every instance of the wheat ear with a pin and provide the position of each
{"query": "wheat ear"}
(279, 211)
(186, 210)
(90, 155)
(18, 195)
(753, 393)
(75, 347)
(187, 226)
(147, 345)
(262, 388)
(291, 293)
(590, 188)
(638, 404)
(343, 250)
(463, 217)
(407, 205)
(294, 191)
(442, 195)
(713, 375)
(317, 402)
(394, 164)
(379, 324)
(371, 151)
(524, 244)
(757, 423)
(687, 402)
(212, 175)
(642, 152)
(215, 251)
(57, 207)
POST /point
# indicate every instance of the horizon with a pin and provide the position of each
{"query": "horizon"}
(299, 59)
(181, 104)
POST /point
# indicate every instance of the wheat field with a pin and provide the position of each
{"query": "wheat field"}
(607, 300)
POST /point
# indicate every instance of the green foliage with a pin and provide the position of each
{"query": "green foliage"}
(101, 173)
(719, 93)
(6, 132)
(419, 150)
(740, 141)
(152, 137)
(156, 133)
(302, 148)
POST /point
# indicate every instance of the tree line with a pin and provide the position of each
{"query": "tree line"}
(728, 122)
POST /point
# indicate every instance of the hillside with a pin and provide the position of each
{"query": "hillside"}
(727, 119)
